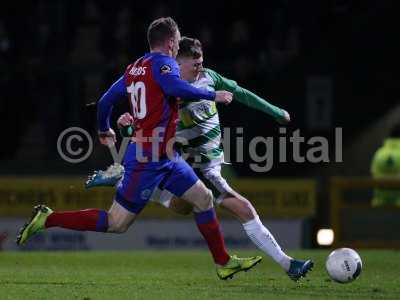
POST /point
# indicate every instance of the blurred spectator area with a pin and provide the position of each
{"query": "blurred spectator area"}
(57, 56)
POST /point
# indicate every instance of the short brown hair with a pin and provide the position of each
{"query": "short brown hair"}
(161, 30)
(189, 47)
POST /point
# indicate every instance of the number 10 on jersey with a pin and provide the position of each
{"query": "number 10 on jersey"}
(137, 94)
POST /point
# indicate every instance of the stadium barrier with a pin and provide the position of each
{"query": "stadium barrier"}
(285, 207)
(355, 222)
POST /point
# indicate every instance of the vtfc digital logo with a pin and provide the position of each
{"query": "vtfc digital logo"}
(290, 146)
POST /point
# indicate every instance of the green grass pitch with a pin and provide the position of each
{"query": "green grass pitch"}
(183, 275)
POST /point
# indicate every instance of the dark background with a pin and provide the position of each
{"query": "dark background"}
(57, 56)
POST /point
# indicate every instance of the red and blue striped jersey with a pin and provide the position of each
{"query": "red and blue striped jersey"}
(152, 84)
(155, 114)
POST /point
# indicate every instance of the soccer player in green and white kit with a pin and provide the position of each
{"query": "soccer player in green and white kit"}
(199, 127)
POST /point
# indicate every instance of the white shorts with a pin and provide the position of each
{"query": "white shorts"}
(211, 177)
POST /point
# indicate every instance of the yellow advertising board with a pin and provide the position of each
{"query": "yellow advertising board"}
(279, 198)
(19, 194)
(356, 222)
(274, 198)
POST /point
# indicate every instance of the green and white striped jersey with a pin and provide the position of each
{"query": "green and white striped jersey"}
(198, 129)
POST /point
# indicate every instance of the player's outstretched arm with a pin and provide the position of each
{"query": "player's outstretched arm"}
(174, 86)
(248, 98)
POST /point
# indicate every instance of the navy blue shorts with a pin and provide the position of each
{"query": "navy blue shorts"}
(142, 178)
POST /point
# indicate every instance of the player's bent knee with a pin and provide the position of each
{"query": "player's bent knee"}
(180, 206)
(116, 227)
(118, 224)
(206, 201)
(247, 211)
(119, 219)
(199, 196)
(240, 207)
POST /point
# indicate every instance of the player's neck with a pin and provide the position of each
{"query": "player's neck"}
(161, 50)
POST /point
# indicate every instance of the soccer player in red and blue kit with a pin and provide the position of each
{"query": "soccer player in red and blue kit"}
(151, 84)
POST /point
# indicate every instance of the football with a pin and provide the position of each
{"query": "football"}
(344, 265)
